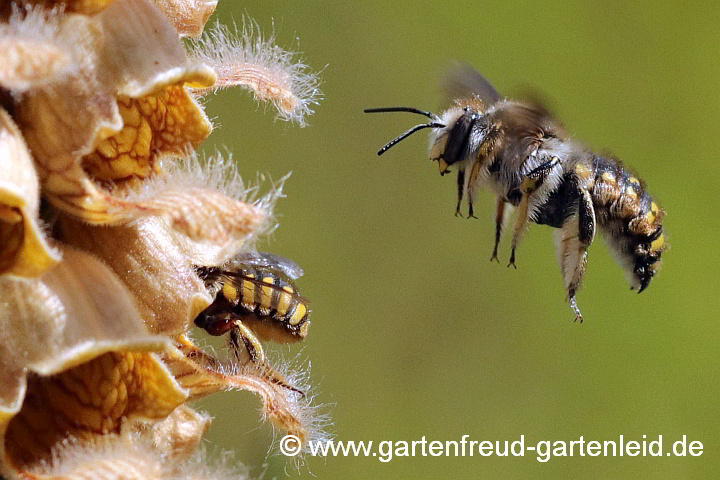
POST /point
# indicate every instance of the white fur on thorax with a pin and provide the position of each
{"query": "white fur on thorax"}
(506, 180)
(549, 149)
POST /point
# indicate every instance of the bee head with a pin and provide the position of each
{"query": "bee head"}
(464, 131)
(460, 131)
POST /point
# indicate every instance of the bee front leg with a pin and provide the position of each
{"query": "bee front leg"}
(460, 190)
(576, 235)
(242, 340)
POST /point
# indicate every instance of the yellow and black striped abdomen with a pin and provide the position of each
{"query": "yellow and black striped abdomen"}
(633, 222)
(262, 296)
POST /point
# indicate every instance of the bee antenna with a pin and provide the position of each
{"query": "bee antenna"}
(430, 115)
(414, 129)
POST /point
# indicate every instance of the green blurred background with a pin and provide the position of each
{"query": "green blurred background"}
(415, 333)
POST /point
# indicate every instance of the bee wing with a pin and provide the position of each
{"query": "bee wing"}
(236, 278)
(527, 120)
(270, 261)
(527, 123)
(464, 81)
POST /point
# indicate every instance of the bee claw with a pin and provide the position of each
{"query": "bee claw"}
(471, 213)
(573, 305)
(512, 260)
(495, 257)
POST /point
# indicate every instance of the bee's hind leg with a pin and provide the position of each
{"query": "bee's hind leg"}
(573, 240)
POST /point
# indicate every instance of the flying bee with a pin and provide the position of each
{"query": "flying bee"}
(522, 154)
(255, 299)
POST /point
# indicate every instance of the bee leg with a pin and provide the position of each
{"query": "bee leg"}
(241, 336)
(521, 221)
(460, 190)
(499, 220)
(472, 182)
(520, 227)
(576, 236)
(573, 305)
(471, 213)
(530, 184)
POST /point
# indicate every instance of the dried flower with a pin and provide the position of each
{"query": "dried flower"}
(24, 250)
(188, 16)
(98, 117)
(256, 63)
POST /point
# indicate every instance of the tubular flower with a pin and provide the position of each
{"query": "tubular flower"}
(249, 60)
(106, 215)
